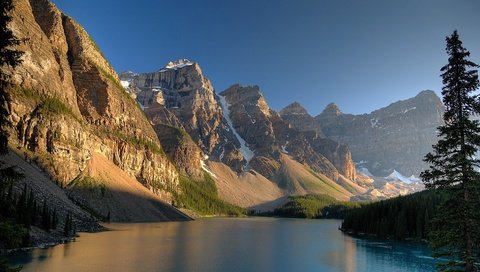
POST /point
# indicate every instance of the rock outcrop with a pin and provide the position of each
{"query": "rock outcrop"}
(396, 137)
(180, 96)
(296, 115)
(67, 103)
(268, 136)
(339, 155)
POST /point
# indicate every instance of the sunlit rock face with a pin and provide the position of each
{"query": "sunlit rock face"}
(67, 102)
(180, 96)
(396, 137)
(268, 135)
(339, 155)
(296, 115)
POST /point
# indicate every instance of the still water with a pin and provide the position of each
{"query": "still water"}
(227, 244)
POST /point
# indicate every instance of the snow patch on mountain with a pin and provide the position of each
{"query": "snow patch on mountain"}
(125, 84)
(205, 168)
(177, 64)
(364, 171)
(246, 152)
(395, 175)
(284, 150)
(410, 109)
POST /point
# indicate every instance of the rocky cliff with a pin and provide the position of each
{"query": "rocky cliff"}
(296, 115)
(269, 138)
(180, 96)
(67, 104)
(339, 155)
(396, 137)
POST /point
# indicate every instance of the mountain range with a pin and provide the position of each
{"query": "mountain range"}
(120, 145)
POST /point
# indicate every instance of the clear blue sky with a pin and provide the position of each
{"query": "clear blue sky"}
(361, 55)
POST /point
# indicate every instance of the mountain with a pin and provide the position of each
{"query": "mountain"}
(181, 97)
(235, 128)
(391, 139)
(296, 115)
(338, 154)
(75, 123)
(270, 138)
(126, 147)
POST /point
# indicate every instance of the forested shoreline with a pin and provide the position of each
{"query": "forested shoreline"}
(400, 218)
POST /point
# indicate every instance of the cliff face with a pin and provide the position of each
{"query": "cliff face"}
(339, 155)
(67, 103)
(180, 96)
(296, 115)
(396, 137)
(267, 135)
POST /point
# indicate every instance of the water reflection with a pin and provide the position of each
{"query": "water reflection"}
(252, 244)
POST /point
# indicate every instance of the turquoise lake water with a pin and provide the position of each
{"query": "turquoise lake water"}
(227, 244)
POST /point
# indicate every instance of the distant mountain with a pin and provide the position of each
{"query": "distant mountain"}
(236, 127)
(394, 138)
(130, 146)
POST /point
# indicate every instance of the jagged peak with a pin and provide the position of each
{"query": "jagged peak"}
(332, 109)
(250, 94)
(294, 108)
(177, 64)
(427, 92)
(246, 91)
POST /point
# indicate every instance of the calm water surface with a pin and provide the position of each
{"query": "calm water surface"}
(226, 244)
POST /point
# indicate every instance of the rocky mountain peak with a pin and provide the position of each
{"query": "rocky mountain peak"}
(294, 109)
(177, 64)
(67, 106)
(249, 95)
(395, 137)
(428, 96)
(297, 116)
(331, 110)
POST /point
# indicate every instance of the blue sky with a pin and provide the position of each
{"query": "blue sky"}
(361, 55)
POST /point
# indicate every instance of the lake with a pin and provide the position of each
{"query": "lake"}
(227, 244)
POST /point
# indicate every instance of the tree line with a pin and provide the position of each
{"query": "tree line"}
(311, 206)
(404, 217)
(448, 215)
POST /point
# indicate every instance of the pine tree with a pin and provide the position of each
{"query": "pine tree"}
(67, 228)
(454, 166)
(8, 57)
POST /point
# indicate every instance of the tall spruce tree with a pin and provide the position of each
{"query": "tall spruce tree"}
(454, 167)
(8, 58)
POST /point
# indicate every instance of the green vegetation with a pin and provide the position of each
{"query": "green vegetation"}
(28, 93)
(19, 212)
(89, 183)
(53, 106)
(202, 197)
(5, 268)
(8, 58)
(68, 227)
(139, 142)
(454, 167)
(12, 233)
(313, 206)
(396, 218)
(49, 106)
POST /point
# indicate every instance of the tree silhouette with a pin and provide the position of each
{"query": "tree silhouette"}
(8, 58)
(454, 167)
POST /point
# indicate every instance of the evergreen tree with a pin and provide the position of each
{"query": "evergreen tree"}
(8, 57)
(67, 228)
(454, 166)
